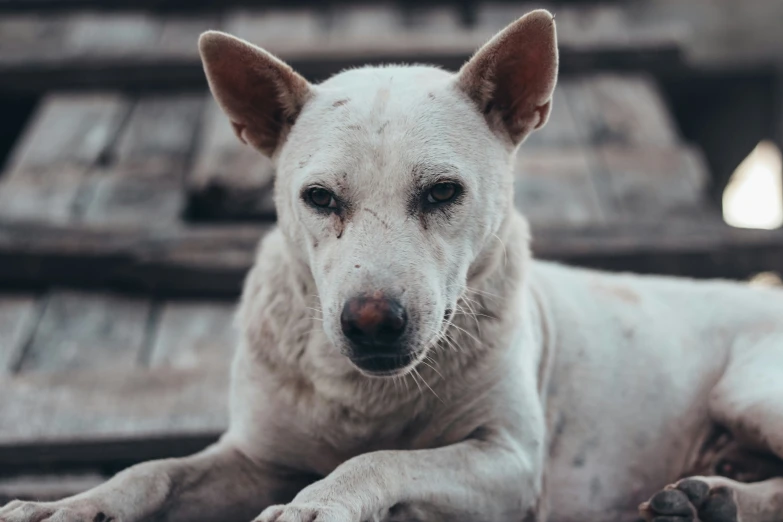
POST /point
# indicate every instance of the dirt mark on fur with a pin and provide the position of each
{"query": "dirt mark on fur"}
(619, 292)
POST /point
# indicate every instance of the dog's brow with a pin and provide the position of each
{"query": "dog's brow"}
(428, 171)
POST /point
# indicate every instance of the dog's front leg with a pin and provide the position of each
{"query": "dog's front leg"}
(475, 480)
(220, 483)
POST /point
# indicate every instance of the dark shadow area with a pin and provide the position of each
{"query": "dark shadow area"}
(725, 113)
(15, 112)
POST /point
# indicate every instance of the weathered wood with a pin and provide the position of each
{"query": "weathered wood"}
(159, 50)
(720, 35)
(158, 137)
(47, 487)
(66, 138)
(229, 180)
(193, 334)
(376, 28)
(382, 31)
(143, 186)
(593, 35)
(80, 331)
(554, 188)
(179, 35)
(289, 34)
(438, 30)
(31, 38)
(178, 261)
(68, 129)
(18, 316)
(626, 110)
(104, 416)
(94, 36)
(653, 183)
(124, 201)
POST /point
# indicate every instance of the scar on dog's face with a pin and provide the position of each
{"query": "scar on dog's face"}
(391, 181)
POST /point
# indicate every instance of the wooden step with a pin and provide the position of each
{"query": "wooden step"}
(145, 50)
(45, 487)
(107, 378)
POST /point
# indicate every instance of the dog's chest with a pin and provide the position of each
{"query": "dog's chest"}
(343, 434)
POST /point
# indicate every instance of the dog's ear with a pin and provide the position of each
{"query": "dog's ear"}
(261, 95)
(512, 77)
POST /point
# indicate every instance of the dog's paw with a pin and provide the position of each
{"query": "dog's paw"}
(19, 511)
(691, 499)
(307, 512)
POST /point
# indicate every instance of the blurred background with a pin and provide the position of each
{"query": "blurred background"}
(129, 212)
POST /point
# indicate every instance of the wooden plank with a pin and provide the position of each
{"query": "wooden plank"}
(439, 30)
(179, 261)
(179, 36)
(290, 33)
(375, 27)
(88, 331)
(98, 36)
(123, 201)
(18, 316)
(143, 186)
(26, 38)
(614, 109)
(722, 36)
(69, 129)
(195, 333)
(98, 417)
(382, 31)
(158, 138)
(66, 138)
(594, 30)
(229, 180)
(47, 487)
(554, 188)
(491, 17)
(652, 183)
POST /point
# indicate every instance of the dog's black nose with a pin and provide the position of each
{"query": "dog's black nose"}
(374, 324)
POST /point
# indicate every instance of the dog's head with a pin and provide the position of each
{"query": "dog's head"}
(392, 182)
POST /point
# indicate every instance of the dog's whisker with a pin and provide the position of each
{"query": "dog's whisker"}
(451, 344)
(468, 302)
(471, 314)
(413, 374)
(484, 293)
(432, 367)
(505, 253)
(424, 381)
(473, 337)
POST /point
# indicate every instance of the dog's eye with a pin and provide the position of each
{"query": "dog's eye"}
(442, 193)
(321, 198)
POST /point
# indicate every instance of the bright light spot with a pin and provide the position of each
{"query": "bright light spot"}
(766, 279)
(754, 196)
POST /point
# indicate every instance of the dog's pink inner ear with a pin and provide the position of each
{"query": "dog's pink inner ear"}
(261, 95)
(512, 78)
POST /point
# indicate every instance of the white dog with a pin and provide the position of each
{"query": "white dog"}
(403, 358)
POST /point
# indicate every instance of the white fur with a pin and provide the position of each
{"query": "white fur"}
(553, 392)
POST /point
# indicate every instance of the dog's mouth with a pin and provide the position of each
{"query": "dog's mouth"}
(394, 363)
(384, 365)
